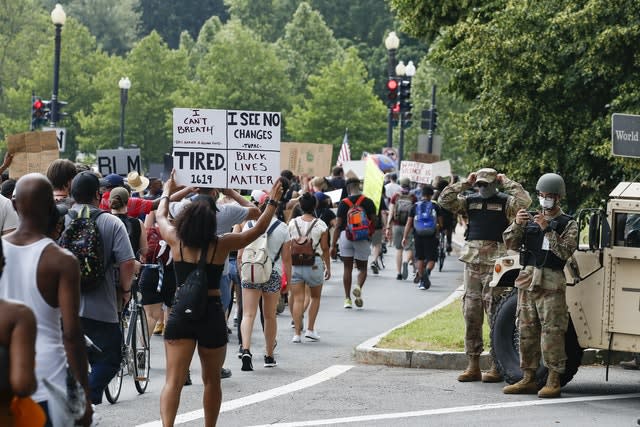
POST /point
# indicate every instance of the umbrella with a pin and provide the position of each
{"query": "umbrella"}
(385, 163)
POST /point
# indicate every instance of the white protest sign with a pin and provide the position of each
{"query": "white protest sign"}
(424, 173)
(119, 161)
(226, 148)
(334, 195)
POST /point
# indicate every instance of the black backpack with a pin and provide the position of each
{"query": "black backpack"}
(191, 296)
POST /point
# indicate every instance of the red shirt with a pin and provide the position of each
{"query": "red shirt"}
(135, 207)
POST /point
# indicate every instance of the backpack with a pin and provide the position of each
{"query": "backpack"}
(158, 251)
(256, 264)
(82, 238)
(191, 296)
(133, 231)
(358, 225)
(302, 250)
(403, 206)
(424, 223)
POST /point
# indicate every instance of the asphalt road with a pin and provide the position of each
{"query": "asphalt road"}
(320, 383)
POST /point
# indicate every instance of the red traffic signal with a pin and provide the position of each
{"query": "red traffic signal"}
(37, 105)
(392, 85)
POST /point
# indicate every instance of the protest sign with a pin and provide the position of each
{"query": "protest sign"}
(306, 158)
(373, 181)
(226, 148)
(334, 195)
(354, 168)
(424, 173)
(120, 161)
(32, 152)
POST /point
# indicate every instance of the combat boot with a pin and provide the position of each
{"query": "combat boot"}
(492, 375)
(552, 388)
(527, 385)
(472, 373)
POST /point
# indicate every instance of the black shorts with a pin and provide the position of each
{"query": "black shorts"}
(426, 247)
(209, 332)
(148, 283)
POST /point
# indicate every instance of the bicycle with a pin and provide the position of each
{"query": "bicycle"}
(442, 249)
(136, 352)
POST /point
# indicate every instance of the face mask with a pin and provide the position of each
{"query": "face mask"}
(487, 191)
(547, 202)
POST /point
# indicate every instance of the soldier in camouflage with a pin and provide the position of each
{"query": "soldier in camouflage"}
(489, 212)
(546, 241)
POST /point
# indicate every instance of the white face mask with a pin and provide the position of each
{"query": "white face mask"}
(547, 202)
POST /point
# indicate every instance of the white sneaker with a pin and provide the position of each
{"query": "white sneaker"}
(296, 339)
(312, 335)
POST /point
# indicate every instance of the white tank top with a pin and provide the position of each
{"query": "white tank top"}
(19, 282)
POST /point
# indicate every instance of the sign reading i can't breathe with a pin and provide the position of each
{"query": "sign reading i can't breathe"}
(226, 148)
(625, 135)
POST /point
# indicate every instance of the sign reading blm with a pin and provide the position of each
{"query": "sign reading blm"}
(226, 148)
(625, 135)
(119, 161)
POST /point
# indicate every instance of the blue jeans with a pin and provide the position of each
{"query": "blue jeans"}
(225, 291)
(105, 364)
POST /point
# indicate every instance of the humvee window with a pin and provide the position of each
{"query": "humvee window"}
(627, 230)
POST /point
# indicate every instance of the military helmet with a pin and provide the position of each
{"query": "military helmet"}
(551, 183)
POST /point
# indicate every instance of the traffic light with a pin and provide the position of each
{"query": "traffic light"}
(426, 119)
(434, 115)
(406, 119)
(404, 93)
(395, 114)
(392, 95)
(40, 111)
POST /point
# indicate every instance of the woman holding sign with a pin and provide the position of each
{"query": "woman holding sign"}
(194, 228)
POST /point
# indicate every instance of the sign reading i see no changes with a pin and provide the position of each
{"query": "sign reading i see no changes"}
(226, 148)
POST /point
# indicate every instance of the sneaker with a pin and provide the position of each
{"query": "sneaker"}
(270, 362)
(426, 283)
(375, 268)
(417, 277)
(312, 335)
(240, 351)
(347, 303)
(399, 276)
(225, 373)
(296, 339)
(159, 329)
(357, 291)
(247, 363)
(405, 270)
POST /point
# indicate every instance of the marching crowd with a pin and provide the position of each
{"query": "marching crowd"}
(76, 244)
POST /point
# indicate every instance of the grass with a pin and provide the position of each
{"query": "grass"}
(442, 330)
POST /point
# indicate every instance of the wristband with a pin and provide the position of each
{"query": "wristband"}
(272, 202)
(164, 197)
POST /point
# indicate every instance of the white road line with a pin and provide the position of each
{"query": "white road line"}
(454, 410)
(327, 374)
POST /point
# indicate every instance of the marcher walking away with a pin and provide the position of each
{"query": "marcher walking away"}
(550, 237)
(354, 227)
(399, 209)
(489, 212)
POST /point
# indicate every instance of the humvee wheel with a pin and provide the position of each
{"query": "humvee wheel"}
(505, 341)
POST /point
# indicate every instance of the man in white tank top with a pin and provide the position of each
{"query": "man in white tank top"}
(47, 279)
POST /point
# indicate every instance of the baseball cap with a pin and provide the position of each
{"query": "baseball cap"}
(487, 175)
(120, 192)
(84, 185)
(112, 180)
(404, 182)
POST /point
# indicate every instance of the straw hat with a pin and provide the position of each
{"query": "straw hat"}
(137, 182)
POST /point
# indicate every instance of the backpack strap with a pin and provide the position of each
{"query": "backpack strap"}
(297, 227)
(269, 231)
(347, 201)
(360, 200)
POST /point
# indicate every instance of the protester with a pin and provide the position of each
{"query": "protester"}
(61, 172)
(399, 208)
(99, 308)
(7, 187)
(135, 206)
(154, 190)
(338, 182)
(312, 276)
(359, 248)
(195, 228)
(47, 279)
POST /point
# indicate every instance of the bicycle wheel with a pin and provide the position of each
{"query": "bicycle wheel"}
(112, 391)
(141, 351)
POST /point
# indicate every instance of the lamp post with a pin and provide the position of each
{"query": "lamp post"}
(124, 85)
(405, 73)
(58, 17)
(392, 42)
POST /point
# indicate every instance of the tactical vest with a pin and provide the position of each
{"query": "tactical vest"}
(533, 254)
(487, 217)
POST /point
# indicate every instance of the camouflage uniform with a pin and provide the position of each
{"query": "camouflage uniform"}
(542, 308)
(479, 257)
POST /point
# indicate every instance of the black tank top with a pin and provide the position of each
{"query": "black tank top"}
(5, 386)
(213, 271)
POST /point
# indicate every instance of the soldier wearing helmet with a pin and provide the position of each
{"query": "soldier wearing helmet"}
(490, 212)
(545, 240)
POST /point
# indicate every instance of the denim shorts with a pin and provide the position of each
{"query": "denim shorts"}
(271, 286)
(312, 275)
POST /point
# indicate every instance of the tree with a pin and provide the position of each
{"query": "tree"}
(266, 18)
(115, 24)
(251, 76)
(340, 97)
(307, 45)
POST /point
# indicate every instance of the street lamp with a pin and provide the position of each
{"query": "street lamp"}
(391, 42)
(58, 17)
(124, 85)
(405, 73)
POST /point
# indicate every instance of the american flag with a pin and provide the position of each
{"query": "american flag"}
(345, 151)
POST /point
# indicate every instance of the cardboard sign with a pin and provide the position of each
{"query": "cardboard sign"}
(424, 173)
(334, 195)
(119, 161)
(373, 182)
(226, 148)
(32, 152)
(306, 158)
